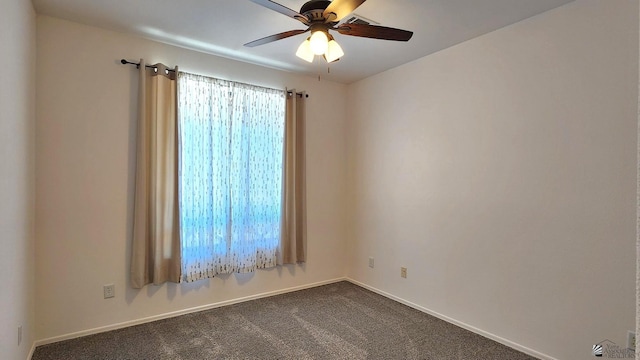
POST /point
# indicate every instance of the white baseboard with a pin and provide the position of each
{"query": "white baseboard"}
(33, 348)
(180, 312)
(461, 324)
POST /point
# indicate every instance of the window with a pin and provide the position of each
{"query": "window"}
(230, 176)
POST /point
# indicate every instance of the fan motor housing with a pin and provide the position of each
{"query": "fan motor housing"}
(314, 10)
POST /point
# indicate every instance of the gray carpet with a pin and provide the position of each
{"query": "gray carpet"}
(336, 321)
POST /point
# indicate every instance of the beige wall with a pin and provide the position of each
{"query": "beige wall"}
(85, 151)
(17, 114)
(502, 172)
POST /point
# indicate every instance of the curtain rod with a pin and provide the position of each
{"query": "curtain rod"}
(298, 93)
(125, 62)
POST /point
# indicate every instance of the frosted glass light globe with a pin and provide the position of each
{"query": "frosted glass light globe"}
(334, 51)
(304, 51)
(319, 42)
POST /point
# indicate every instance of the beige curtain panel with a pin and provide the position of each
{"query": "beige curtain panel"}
(155, 256)
(293, 238)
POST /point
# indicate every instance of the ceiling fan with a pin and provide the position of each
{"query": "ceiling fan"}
(320, 16)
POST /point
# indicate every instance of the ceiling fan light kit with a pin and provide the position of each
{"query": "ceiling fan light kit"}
(320, 16)
(320, 43)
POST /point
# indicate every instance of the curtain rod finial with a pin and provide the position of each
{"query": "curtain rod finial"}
(123, 61)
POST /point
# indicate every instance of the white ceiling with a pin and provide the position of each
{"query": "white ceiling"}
(221, 27)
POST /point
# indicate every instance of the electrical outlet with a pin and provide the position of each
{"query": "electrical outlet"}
(631, 340)
(109, 291)
(371, 262)
(19, 335)
(403, 272)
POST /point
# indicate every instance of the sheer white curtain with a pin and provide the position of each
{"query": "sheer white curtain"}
(231, 138)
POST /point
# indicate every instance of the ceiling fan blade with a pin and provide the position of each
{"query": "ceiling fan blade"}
(283, 10)
(374, 32)
(268, 39)
(340, 8)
